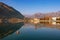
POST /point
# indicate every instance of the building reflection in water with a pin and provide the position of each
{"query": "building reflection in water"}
(47, 25)
(11, 28)
(49, 22)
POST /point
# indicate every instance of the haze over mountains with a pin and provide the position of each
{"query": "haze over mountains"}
(40, 15)
(7, 11)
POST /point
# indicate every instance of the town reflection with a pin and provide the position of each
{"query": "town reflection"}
(40, 24)
(47, 25)
(5, 30)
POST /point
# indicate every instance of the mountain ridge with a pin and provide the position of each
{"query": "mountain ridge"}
(51, 14)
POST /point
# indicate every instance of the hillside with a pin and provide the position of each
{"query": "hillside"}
(8, 12)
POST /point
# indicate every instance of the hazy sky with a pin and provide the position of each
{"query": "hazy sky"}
(34, 6)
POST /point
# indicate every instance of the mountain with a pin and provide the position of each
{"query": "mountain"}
(8, 12)
(38, 15)
(51, 14)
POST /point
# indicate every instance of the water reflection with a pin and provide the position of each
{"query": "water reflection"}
(9, 29)
(17, 32)
(27, 30)
(45, 24)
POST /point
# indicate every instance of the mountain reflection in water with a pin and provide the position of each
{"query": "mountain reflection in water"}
(6, 30)
(35, 32)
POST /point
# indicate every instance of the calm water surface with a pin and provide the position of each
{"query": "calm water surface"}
(31, 32)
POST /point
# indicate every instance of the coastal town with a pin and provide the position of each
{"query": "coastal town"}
(50, 20)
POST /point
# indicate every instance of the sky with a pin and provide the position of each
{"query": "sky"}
(29, 7)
